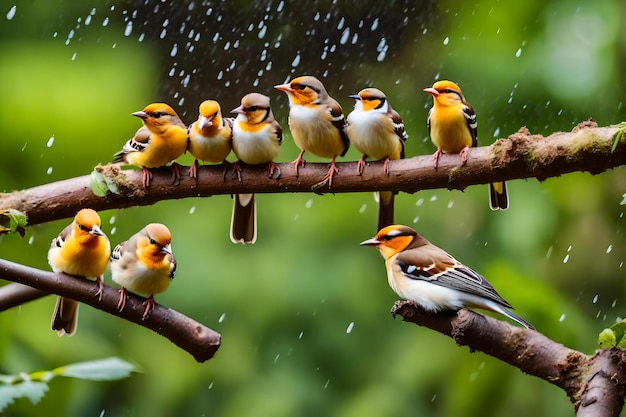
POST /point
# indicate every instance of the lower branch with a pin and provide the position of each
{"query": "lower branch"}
(15, 294)
(595, 385)
(191, 336)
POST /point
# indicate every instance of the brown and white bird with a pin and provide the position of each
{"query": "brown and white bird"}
(257, 137)
(377, 131)
(316, 122)
(210, 137)
(144, 264)
(420, 272)
(80, 249)
(453, 129)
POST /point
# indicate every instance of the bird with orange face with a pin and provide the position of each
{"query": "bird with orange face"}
(161, 140)
(453, 129)
(144, 264)
(80, 249)
(420, 272)
(316, 122)
(257, 137)
(377, 131)
(210, 137)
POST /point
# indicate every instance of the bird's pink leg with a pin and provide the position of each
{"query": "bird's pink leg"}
(149, 303)
(100, 288)
(272, 168)
(122, 302)
(193, 169)
(175, 173)
(464, 154)
(237, 170)
(386, 166)
(299, 161)
(360, 165)
(331, 172)
(436, 156)
(147, 176)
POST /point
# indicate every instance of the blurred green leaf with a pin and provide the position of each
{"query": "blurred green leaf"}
(613, 336)
(623, 199)
(618, 135)
(12, 221)
(101, 370)
(98, 184)
(607, 339)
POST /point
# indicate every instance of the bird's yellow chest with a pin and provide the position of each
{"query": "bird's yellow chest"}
(373, 135)
(313, 131)
(449, 131)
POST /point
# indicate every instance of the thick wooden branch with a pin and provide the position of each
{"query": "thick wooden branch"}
(522, 155)
(595, 384)
(191, 336)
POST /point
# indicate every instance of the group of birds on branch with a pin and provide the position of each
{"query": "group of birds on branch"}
(417, 270)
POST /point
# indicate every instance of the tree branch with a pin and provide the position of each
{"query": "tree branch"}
(595, 385)
(191, 336)
(522, 155)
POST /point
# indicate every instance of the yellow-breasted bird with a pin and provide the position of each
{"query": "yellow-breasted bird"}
(210, 137)
(144, 264)
(453, 129)
(80, 249)
(420, 272)
(257, 137)
(377, 131)
(161, 139)
(316, 122)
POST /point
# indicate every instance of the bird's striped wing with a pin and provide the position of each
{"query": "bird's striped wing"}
(339, 121)
(470, 118)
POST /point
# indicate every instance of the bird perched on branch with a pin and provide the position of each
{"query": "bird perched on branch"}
(453, 129)
(144, 264)
(210, 137)
(161, 139)
(428, 276)
(80, 249)
(316, 122)
(377, 131)
(257, 137)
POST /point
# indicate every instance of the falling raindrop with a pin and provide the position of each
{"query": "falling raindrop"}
(566, 258)
(296, 60)
(433, 198)
(451, 204)
(113, 230)
(416, 219)
(326, 384)
(309, 203)
(595, 299)
(419, 201)
(446, 40)
(222, 318)
(276, 357)
(609, 249)
(112, 220)
(363, 208)
(129, 29)
(262, 32)
(11, 13)
(345, 36)
(350, 327)
(50, 142)
(300, 335)
(105, 21)
(192, 210)
(174, 50)
(31, 240)
(496, 132)
(49, 170)
(374, 25)
(562, 318)
(518, 53)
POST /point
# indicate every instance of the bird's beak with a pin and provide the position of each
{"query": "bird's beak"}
(370, 242)
(140, 114)
(431, 91)
(96, 231)
(167, 249)
(284, 87)
(355, 96)
(205, 122)
(238, 110)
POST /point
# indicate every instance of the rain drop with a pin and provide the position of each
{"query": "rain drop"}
(296, 60)
(276, 358)
(105, 21)
(345, 36)
(362, 209)
(309, 203)
(496, 133)
(31, 240)
(326, 384)
(50, 142)
(222, 318)
(562, 318)
(174, 50)
(113, 230)
(300, 335)
(129, 29)
(433, 198)
(374, 25)
(192, 210)
(112, 220)
(446, 40)
(419, 202)
(518, 53)
(49, 170)
(11, 13)
(262, 32)
(350, 327)
(566, 258)
(609, 249)
(595, 299)
(451, 204)
(416, 219)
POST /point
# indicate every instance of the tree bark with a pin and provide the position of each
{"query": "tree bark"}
(522, 155)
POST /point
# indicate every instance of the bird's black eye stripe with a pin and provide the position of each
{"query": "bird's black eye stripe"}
(253, 108)
(301, 87)
(389, 237)
(153, 242)
(82, 227)
(156, 114)
(214, 114)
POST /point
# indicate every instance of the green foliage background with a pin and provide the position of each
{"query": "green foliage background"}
(74, 71)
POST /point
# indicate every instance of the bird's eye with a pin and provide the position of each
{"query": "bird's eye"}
(83, 228)
(215, 114)
(301, 87)
(253, 108)
(388, 237)
(153, 242)
(157, 114)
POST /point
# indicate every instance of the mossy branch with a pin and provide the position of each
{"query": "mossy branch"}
(521, 155)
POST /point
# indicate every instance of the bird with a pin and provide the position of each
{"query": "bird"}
(453, 129)
(80, 249)
(257, 137)
(161, 139)
(377, 131)
(144, 264)
(431, 278)
(316, 122)
(210, 137)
